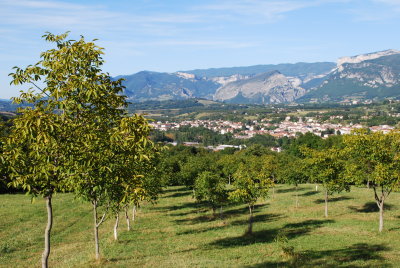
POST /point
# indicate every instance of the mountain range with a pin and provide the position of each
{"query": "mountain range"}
(367, 76)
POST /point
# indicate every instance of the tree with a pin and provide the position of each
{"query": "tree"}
(211, 188)
(252, 182)
(228, 164)
(35, 152)
(291, 171)
(376, 160)
(195, 165)
(132, 153)
(40, 140)
(326, 167)
(80, 109)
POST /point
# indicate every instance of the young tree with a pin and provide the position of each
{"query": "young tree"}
(326, 167)
(86, 107)
(35, 152)
(131, 150)
(210, 187)
(252, 181)
(194, 166)
(375, 158)
(291, 171)
(228, 164)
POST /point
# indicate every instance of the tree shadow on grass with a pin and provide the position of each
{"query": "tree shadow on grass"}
(334, 258)
(179, 194)
(186, 205)
(243, 210)
(194, 211)
(309, 193)
(201, 230)
(260, 218)
(289, 190)
(195, 220)
(333, 199)
(291, 230)
(370, 207)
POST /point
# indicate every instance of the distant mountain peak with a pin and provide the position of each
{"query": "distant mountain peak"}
(364, 57)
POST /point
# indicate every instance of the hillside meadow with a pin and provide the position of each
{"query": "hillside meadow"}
(178, 232)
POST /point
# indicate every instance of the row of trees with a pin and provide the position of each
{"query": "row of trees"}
(74, 136)
(337, 163)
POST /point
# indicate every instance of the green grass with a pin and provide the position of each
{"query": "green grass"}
(177, 232)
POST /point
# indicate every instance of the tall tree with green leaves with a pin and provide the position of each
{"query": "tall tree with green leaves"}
(252, 181)
(374, 158)
(211, 188)
(83, 107)
(133, 162)
(35, 152)
(326, 167)
(228, 164)
(291, 171)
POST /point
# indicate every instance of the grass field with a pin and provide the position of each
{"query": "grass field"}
(177, 232)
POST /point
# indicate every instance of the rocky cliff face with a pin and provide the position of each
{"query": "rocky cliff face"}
(271, 87)
(364, 57)
(374, 75)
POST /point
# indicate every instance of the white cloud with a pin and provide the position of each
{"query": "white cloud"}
(57, 14)
(261, 11)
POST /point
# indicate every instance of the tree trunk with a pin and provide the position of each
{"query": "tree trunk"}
(46, 252)
(128, 222)
(297, 197)
(96, 231)
(220, 212)
(116, 226)
(250, 228)
(133, 212)
(381, 216)
(326, 203)
(229, 179)
(368, 184)
(273, 192)
(316, 187)
(380, 202)
(214, 209)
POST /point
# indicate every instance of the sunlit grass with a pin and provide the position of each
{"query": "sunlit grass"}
(177, 232)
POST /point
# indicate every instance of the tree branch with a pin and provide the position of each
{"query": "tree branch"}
(102, 218)
(40, 89)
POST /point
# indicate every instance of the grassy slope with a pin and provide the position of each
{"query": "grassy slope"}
(179, 233)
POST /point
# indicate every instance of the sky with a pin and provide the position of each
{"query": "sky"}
(172, 35)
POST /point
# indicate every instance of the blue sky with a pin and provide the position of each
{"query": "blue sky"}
(177, 35)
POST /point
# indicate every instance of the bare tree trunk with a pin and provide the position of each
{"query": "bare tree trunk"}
(128, 222)
(316, 187)
(214, 209)
(326, 203)
(250, 228)
(380, 202)
(297, 197)
(116, 226)
(133, 212)
(229, 179)
(273, 191)
(381, 216)
(368, 184)
(96, 231)
(46, 252)
(220, 212)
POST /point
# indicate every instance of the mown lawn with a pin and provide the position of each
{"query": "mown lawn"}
(178, 232)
